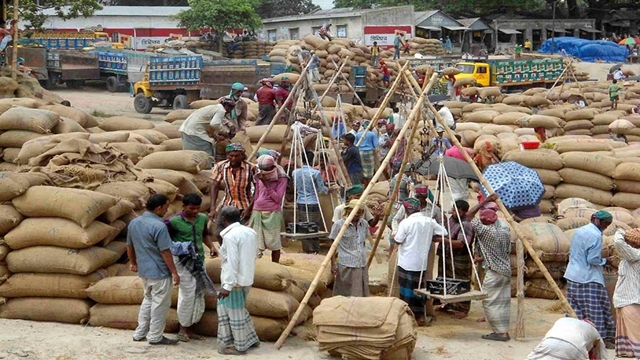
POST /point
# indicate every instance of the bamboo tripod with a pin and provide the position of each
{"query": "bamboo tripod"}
(567, 69)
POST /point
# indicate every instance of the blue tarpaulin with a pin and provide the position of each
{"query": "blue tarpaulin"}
(587, 50)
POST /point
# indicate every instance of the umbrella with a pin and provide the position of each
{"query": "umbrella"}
(517, 185)
(628, 41)
(455, 168)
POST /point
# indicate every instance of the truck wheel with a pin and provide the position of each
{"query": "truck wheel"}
(74, 84)
(112, 84)
(47, 83)
(142, 103)
(180, 102)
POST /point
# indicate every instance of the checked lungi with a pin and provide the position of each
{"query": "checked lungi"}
(368, 159)
(628, 332)
(235, 327)
(591, 301)
(268, 225)
(497, 305)
(409, 281)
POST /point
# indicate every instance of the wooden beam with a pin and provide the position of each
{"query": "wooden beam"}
(14, 47)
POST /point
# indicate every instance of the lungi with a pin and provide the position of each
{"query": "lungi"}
(628, 332)
(266, 112)
(368, 158)
(310, 213)
(195, 143)
(267, 224)
(351, 282)
(190, 306)
(497, 306)
(409, 281)
(356, 178)
(591, 301)
(462, 266)
(235, 327)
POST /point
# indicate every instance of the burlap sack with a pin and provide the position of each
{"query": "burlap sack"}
(109, 137)
(57, 232)
(4, 250)
(489, 91)
(268, 275)
(154, 136)
(50, 285)
(549, 177)
(82, 118)
(66, 125)
(539, 158)
(172, 144)
(168, 130)
(125, 317)
(133, 191)
(117, 123)
(627, 186)
(52, 260)
(120, 209)
(22, 102)
(586, 178)
(17, 138)
(583, 145)
(451, 71)
(604, 165)
(626, 200)
(36, 147)
(176, 115)
(540, 289)
(620, 214)
(583, 114)
(548, 241)
(87, 205)
(549, 192)
(122, 290)
(596, 196)
(133, 150)
(572, 223)
(484, 116)
(184, 160)
(70, 311)
(9, 218)
(271, 304)
(627, 171)
(162, 187)
(573, 203)
(581, 213)
(40, 121)
(303, 268)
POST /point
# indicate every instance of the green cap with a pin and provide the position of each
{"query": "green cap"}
(355, 190)
(237, 86)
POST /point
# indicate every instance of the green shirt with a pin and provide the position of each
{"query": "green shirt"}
(518, 49)
(183, 230)
(613, 89)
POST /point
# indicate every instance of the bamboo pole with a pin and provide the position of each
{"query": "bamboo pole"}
(338, 238)
(374, 121)
(344, 77)
(331, 82)
(508, 216)
(520, 329)
(290, 121)
(396, 187)
(279, 113)
(14, 47)
(4, 11)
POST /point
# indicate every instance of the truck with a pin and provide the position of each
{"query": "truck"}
(512, 74)
(119, 68)
(176, 81)
(64, 40)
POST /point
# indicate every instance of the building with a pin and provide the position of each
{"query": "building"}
(509, 32)
(478, 35)
(146, 25)
(438, 25)
(362, 26)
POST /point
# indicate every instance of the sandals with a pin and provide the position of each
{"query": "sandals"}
(496, 337)
(230, 351)
(186, 337)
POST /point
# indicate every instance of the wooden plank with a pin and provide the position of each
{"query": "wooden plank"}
(468, 296)
(300, 236)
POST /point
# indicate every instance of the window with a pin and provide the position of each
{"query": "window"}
(482, 69)
(315, 29)
(294, 34)
(466, 69)
(341, 31)
(271, 35)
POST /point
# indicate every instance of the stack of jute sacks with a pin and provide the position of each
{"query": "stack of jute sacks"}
(432, 47)
(248, 49)
(349, 328)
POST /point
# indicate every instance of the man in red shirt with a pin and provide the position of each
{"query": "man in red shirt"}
(386, 74)
(282, 93)
(266, 102)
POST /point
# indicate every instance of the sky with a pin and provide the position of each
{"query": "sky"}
(324, 4)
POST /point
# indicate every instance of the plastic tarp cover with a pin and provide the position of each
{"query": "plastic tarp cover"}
(587, 50)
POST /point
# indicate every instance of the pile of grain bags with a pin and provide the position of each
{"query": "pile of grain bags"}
(247, 49)
(587, 176)
(57, 251)
(348, 327)
(627, 183)
(429, 47)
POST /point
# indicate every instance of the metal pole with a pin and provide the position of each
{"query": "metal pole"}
(553, 29)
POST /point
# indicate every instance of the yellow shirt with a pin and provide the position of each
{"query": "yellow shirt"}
(527, 44)
(375, 50)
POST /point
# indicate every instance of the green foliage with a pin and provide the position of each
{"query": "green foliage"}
(221, 15)
(31, 10)
(460, 7)
(275, 8)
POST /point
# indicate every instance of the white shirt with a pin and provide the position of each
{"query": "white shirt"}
(414, 235)
(618, 75)
(398, 120)
(627, 288)
(448, 119)
(239, 253)
(200, 120)
(576, 332)
(459, 189)
(401, 214)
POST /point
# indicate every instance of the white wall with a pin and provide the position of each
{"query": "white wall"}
(124, 22)
(353, 24)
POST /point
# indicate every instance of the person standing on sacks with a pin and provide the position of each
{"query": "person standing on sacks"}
(189, 231)
(149, 251)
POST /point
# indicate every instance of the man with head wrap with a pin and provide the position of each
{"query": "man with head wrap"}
(427, 208)
(414, 237)
(352, 275)
(367, 150)
(266, 102)
(266, 209)
(586, 291)
(236, 177)
(239, 113)
(354, 193)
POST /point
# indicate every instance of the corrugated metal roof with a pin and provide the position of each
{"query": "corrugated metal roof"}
(467, 22)
(131, 11)
(421, 16)
(320, 14)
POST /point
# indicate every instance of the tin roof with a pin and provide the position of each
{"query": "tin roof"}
(321, 14)
(130, 11)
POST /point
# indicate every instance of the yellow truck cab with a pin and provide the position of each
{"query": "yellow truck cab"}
(479, 71)
(521, 74)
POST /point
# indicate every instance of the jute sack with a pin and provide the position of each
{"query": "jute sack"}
(9, 218)
(268, 275)
(153, 135)
(584, 145)
(539, 158)
(627, 171)
(176, 115)
(12, 185)
(66, 125)
(168, 130)
(52, 260)
(628, 186)
(586, 178)
(607, 117)
(549, 177)
(50, 285)
(605, 165)
(125, 317)
(184, 160)
(572, 223)
(82, 118)
(172, 144)
(540, 289)
(303, 268)
(70, 311)
(4, 273)
(49, 201)
(578, 125)
(122, 290)
(57, 232)
(4, 250)
(548, 241)
(556, 269)
(165, 188)
(582, 114)
(549, 192)
(451, 71)
(117, 211)
(119, 226)
(271, 304)
(543, 121)
(117, 123)
(620, 214)
(109, 137)
(133, 150)
(596, 196)
(485, 116)
(17, 138)
(489, 91)
(626, 200)
(547, 207)
(40, 121)
(177, 179)
(574, 203)
(582, 213)
(514, 99)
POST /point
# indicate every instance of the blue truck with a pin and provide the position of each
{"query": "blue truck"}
(118, 68)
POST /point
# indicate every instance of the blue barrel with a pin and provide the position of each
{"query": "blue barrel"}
(277, 69)
(359, 70)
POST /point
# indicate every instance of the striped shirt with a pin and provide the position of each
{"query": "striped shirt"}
(237, 182)
(628, 287)
(493, 242)
(352, 251)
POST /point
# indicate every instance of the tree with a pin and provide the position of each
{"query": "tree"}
(221, 15)
(149, 2)
(275, 8)
(31, 10)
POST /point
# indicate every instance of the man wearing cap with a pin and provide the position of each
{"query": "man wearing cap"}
(236, 177)
(354, 193)
(414, 237)
(206, 126)
(367, 150)
(266, 209)
(352, 275)
(239, 113)
(586, 291)
(266, 103)
(282, 93)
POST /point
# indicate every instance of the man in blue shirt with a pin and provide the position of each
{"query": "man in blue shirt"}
(586, 291)
(396, 46)
(149, 250)
(368, 148)
(351, 159)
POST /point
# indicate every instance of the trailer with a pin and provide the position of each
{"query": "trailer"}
(72, 67)
(64, 40)
(218, 75)
(119, 68)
